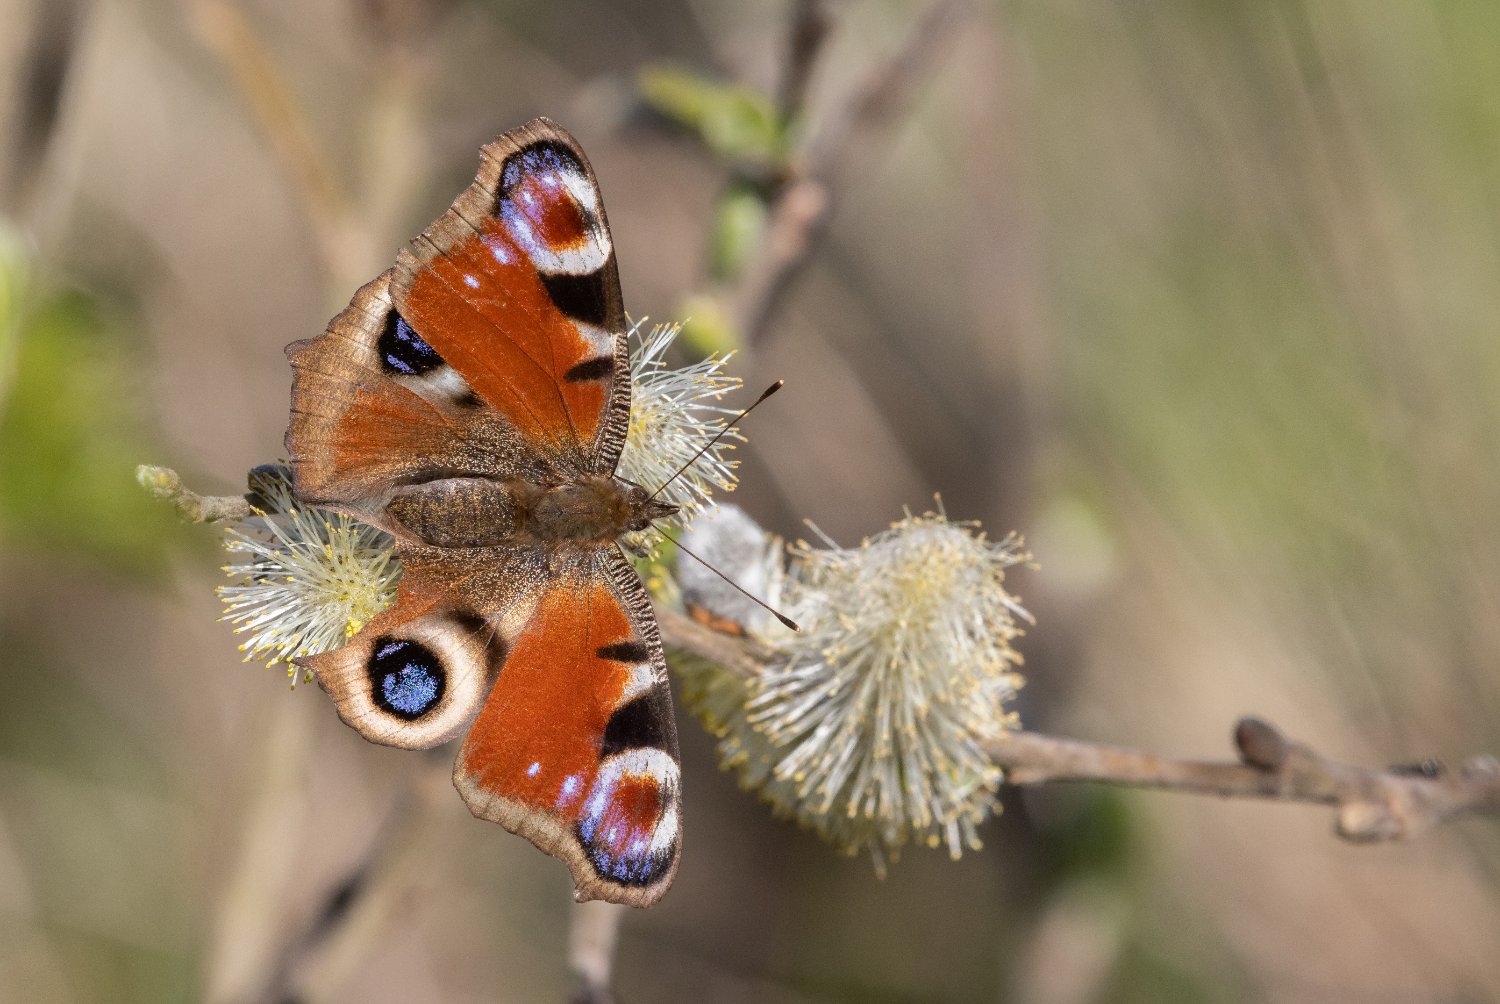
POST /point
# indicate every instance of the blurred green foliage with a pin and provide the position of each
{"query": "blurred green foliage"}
(706, 327)
(69, 436)
(1097, 837)
(739, 221)
(1145, 976)
(735, 122)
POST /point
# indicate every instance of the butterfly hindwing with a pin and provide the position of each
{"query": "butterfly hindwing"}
(418, 673)
(557, 675)
(576, 748)
(516, 287)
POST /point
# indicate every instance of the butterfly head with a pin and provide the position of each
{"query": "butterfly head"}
(643, 509)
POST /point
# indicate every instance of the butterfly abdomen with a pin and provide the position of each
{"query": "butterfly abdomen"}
(458, 512)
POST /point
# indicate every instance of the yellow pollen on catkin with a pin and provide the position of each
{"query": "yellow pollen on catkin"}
(305, 581)
(869, 726)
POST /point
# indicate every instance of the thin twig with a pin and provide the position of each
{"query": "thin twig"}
(320, 953)
(737, 654)
(43, 69)
(1373, 804)
(278, 114)
(166, 484)
(808, 30)
(799, 213)
(878, 102)
(592, 938)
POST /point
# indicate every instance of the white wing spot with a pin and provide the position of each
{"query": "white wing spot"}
(642, 678)
(534, 769)
(471, 282)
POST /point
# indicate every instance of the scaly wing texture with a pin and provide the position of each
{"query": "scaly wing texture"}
(419, 672)
(516, 287)
(576, 748)
(373, 408)
(555, 669)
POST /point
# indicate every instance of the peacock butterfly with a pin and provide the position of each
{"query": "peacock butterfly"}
(473, 402)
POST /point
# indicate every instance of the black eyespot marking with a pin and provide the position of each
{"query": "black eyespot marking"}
(473, 624)
(538, 158)
(406, 679)
(402, 350)
(634, 867)
(625, 651)
(591, 369)
(469, 399)
(645, 721)
(581, 297)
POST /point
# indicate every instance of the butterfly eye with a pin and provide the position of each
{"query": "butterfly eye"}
(408, 678)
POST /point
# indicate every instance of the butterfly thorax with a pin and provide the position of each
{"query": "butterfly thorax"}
(485, 512)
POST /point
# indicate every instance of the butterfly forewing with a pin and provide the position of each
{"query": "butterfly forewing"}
(516, 287)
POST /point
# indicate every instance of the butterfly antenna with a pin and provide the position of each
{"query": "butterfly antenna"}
(787, 621)
(717, 436)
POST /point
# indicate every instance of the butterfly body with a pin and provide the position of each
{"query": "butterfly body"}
(473, 402)
(593, 511)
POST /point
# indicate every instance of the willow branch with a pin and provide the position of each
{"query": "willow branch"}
(800, 210)
(1373, 804)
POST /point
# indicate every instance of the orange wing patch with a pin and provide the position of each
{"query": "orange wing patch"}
(483, 307)
(553, 675)
(382, 421)
(516, 288)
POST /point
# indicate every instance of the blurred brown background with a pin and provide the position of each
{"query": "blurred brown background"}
(1202, 297)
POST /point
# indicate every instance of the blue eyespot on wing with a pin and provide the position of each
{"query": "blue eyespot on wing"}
(408, 679)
